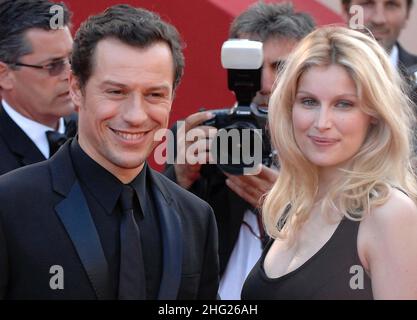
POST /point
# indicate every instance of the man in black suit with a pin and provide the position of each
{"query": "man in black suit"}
(234, 198)
(94, 221)
(386, 19)
(35, 45)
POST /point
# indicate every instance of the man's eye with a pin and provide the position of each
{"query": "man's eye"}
(274, 66)
(54, 65)
(157, 95)
(115, 92)
(393, 4)
(366, 3)
(279, 65)
(50, 66)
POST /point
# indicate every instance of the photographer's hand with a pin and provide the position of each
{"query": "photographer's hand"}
(194, 143)
(252, 187)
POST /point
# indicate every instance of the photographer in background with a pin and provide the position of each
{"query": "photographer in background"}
(233, 198)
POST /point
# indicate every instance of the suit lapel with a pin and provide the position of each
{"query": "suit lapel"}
(71, 125)
(76, 218)
(405, 59)
(18, 142)
(171, 239)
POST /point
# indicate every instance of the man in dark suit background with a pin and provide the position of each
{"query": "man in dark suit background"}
(386, 19)
(94, 221)
(34, 86)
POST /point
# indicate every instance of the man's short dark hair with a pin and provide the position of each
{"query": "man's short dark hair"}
(273, 20)
(17, 17)
(346, 4)
(133, 26)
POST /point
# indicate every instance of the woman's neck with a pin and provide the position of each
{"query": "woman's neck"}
(327, 176)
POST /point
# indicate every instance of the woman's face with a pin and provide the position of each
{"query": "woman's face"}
(329, 124)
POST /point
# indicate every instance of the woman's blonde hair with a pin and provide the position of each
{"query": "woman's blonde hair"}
(383, 160)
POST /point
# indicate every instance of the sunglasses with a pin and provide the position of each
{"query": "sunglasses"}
(54, 68)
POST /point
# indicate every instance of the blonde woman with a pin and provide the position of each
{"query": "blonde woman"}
(342, 214)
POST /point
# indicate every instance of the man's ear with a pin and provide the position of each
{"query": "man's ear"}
(6, 76)
(76, 92)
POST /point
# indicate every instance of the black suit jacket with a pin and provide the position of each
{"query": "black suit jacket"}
(405, 58)
(16, 148)
(45, 221)
(406, 61)
(228, 207)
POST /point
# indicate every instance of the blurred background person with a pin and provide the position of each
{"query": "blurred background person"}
(386, 19)
(34, 87)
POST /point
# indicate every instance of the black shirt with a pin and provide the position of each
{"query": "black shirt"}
(102, 191)
(334, 272)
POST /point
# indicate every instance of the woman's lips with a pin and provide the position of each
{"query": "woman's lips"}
(323, 141)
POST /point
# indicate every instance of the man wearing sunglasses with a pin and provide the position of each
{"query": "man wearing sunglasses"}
(35, 46)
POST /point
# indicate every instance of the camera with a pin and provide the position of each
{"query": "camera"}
(242, 141)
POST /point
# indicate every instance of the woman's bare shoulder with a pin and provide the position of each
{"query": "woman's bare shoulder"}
(387, 246)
